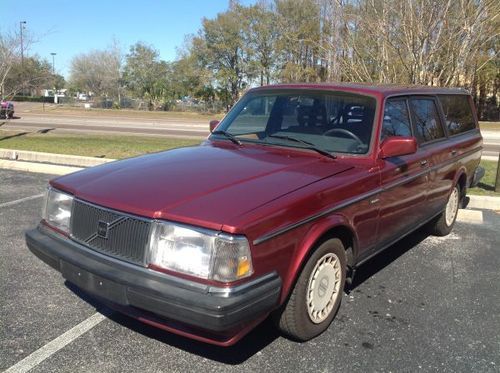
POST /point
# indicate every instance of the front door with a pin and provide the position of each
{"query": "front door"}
(404, 180)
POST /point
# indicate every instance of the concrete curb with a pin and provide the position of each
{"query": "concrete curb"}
(483, 202)
(493, 158)
(57, 159)
(42, 168)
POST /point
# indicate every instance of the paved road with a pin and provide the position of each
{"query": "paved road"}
(428, 304)
(491, 143)
(118, 125)
(187, 128)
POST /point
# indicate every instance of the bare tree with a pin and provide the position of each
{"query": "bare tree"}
(98, 71)
(418, 41)
(9, 52)
(16, 75)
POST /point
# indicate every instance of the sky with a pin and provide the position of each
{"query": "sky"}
(69, 27)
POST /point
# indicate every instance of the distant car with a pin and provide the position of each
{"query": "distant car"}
(6, 109)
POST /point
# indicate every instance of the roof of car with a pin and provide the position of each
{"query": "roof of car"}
(367, 88)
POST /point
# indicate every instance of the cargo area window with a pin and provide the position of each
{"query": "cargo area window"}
(458, 113)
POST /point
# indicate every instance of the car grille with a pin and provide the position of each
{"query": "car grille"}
(110, 232)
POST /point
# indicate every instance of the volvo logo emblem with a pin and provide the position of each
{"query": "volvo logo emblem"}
(102, 229)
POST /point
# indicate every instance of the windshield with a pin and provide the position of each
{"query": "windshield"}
(335, 122)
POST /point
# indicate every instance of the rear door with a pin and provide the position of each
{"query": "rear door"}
(432, 137)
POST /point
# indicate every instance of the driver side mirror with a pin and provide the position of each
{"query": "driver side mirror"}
(213, 124)
(397, 146)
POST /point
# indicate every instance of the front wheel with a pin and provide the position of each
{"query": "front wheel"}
(317, 294)
(444, 223)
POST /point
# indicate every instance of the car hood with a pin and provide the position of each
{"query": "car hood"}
(206, 185)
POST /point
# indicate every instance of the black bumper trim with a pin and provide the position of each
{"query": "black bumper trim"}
(211, 308)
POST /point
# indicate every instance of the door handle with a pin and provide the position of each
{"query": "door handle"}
(453, 152)
(423, 163)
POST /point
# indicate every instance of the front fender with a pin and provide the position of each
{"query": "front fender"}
(320, 229)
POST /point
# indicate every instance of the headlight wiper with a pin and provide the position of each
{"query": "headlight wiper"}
(227, 135)
(310, 145)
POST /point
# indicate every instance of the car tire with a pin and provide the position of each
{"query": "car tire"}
(443, 224)
(316, 297)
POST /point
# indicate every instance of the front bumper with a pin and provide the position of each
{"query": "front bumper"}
(213, 314)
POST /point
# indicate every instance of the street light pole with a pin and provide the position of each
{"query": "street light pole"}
(53, 63)
(53, 54)
(21, 27)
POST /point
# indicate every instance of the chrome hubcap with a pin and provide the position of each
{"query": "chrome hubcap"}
(452, 207)
(323, 287)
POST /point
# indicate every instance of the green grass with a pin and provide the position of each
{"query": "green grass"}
(486, 186)
(489, 126)
(50, 109)
(102, 146)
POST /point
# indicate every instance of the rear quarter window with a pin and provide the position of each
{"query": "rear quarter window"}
(458, 113)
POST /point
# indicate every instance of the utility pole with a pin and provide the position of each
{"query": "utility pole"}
(497, 180)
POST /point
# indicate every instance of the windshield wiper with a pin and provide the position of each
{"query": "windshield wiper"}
(310, 145)
(227, 135)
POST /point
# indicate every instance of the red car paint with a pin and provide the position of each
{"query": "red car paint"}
(262, 191)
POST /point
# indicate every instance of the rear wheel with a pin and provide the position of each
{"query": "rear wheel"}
(317, 294)
(444, 223)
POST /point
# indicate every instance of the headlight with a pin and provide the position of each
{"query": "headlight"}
(201, 253)
(57, 209)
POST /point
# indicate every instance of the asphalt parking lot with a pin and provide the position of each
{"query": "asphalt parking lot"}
(426, 304)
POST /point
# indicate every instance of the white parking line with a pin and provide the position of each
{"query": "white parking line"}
(31, 361)
(470, 216)
(6, 204)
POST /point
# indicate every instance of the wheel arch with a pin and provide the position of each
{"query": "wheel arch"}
(461, 181)
(335, 226)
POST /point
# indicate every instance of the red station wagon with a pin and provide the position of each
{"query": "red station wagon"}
(292, 191)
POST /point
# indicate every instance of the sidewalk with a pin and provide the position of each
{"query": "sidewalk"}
(490, 135)
(42, 168)
(51, 158)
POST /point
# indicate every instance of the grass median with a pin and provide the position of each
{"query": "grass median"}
(486, 186)
(489, 126)
(117, 147)
(102, 146)
(23, 108)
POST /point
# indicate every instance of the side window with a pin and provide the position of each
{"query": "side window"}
(458, 113)
(396, 119)
(426, 119)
